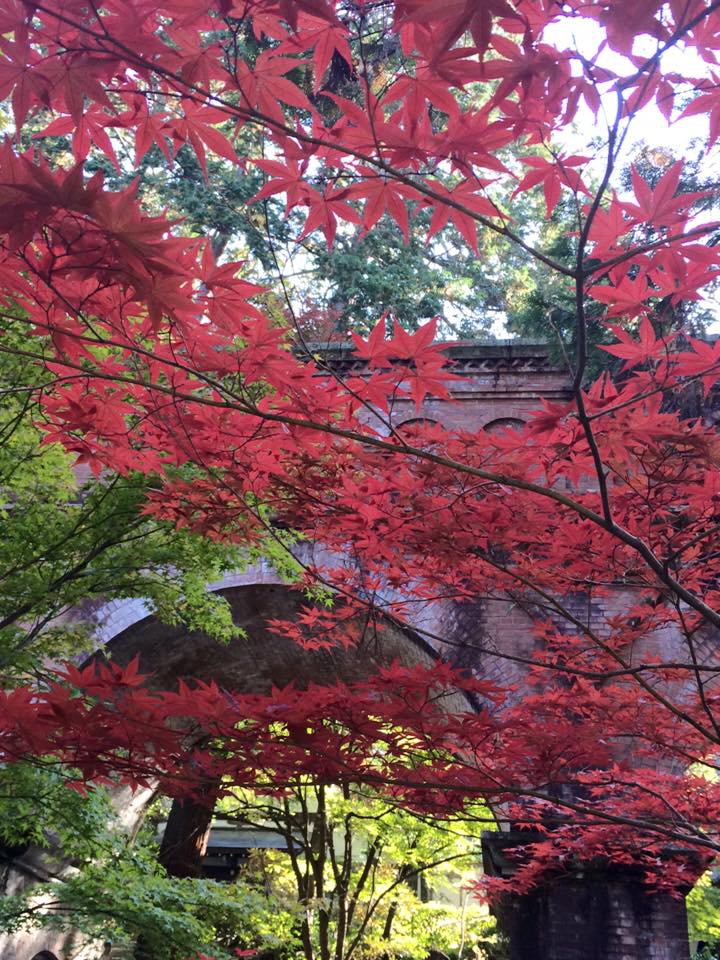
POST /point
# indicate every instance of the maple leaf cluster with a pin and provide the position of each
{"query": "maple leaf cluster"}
(415, 732)
(161, 358)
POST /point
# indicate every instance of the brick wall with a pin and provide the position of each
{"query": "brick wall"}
(587, 914)
(595, 916)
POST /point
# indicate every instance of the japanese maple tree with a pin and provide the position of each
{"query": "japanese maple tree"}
(166, 360)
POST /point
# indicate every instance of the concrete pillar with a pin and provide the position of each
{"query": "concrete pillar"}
(601, 912)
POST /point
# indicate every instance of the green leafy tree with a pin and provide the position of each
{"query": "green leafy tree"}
(360, 878)
(109, 885)
(365, 879)
(703, 906)
(69, 539)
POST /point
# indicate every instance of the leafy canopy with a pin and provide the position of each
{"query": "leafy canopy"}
(163, 358)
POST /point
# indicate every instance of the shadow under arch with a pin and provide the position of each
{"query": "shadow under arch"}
(503, 423)
(414, 426)
(259, 659)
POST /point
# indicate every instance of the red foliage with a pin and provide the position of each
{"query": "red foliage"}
(597, 737)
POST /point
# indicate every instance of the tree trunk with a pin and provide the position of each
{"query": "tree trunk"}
(186, 838)
(183, 846)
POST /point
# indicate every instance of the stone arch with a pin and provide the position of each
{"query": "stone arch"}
(408, 431)
(44, 955)
(260, 659)
(250, 664)
(416, 422)
(503, 423)
(110, 618)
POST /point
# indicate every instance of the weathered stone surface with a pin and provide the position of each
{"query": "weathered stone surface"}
(600, 912)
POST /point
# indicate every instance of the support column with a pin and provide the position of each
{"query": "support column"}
(591, 913)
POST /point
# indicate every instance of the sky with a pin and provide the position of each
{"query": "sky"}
(648, 128)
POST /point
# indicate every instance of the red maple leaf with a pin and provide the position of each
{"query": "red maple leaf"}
(636, 350)
(704, 361)
(195, 127)
(325, 38)
(24, 77)
(554, 175)
(265, 86)
(451, 18)
(660, 206)
(225, 294)
(383, 194)
(324, 212)
(466, 194)
(626, 296)
(707, 103)
(88, 131)
(287, 178)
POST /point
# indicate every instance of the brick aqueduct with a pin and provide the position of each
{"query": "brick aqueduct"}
(593, 915)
